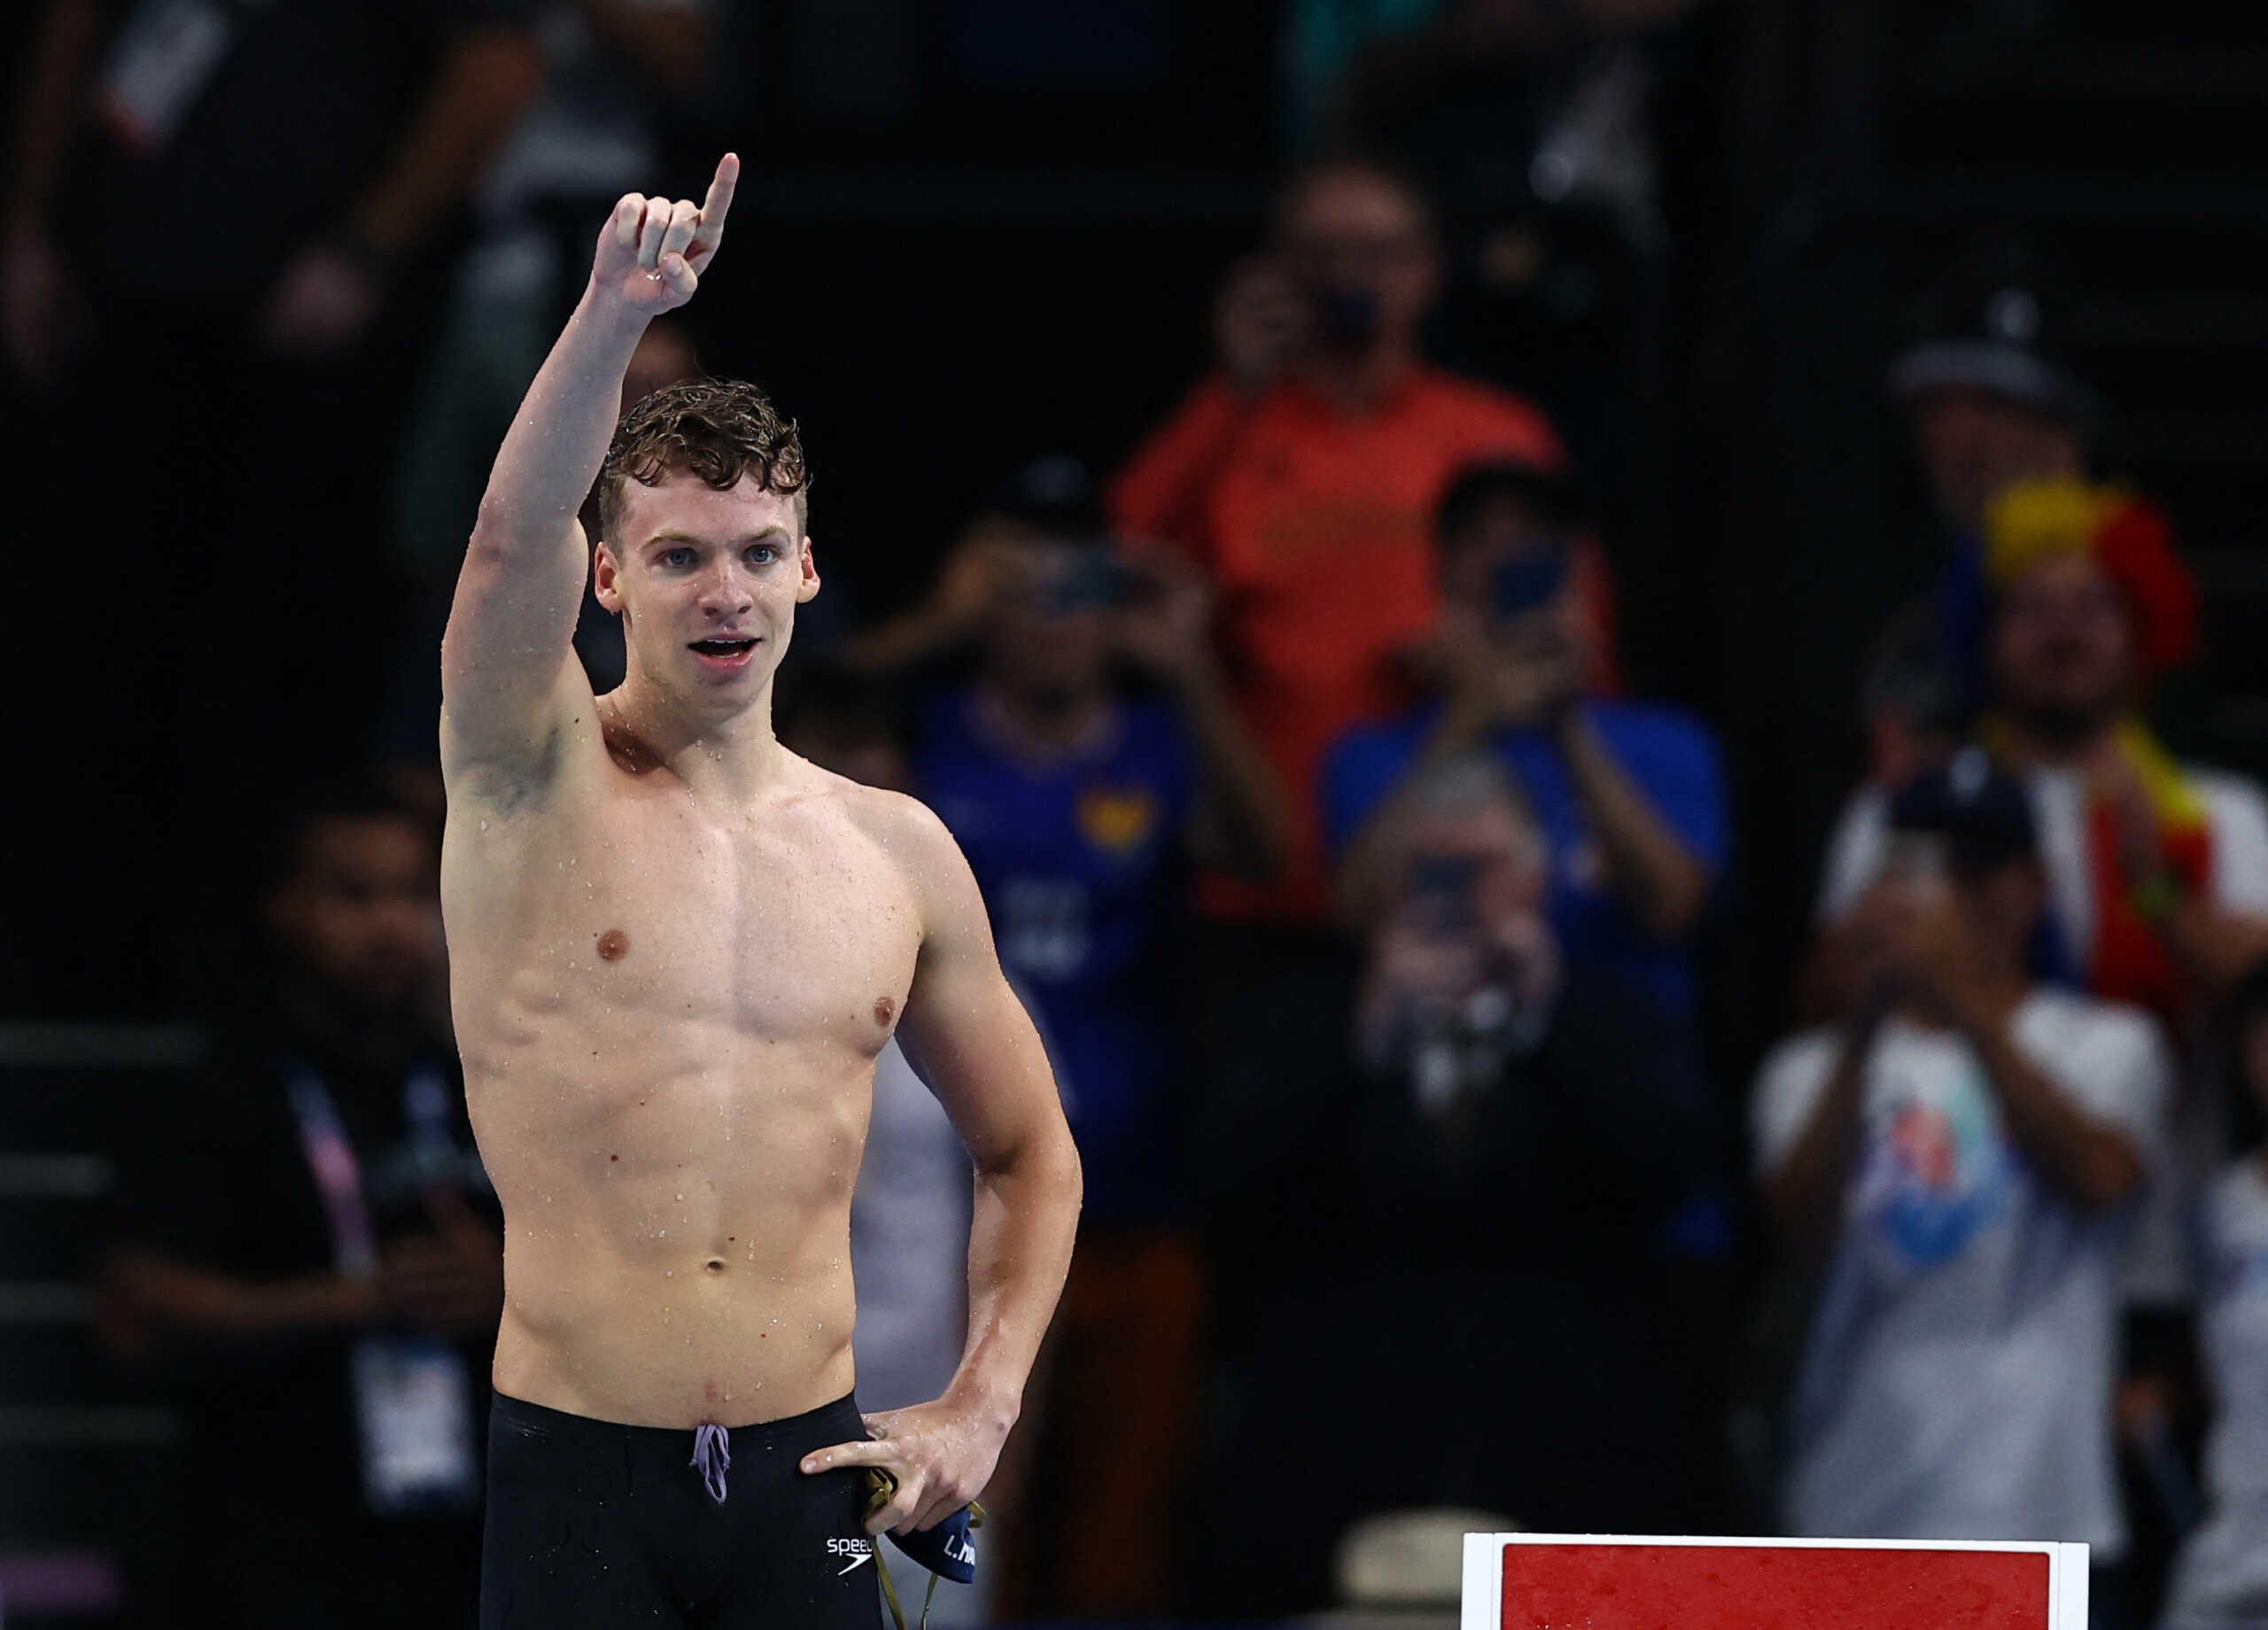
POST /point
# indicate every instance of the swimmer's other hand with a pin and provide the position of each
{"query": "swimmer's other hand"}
(652, 251)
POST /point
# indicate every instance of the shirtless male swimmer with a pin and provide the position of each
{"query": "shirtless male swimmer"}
(675, 950)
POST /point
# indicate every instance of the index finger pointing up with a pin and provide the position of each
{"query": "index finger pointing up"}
(720, 197)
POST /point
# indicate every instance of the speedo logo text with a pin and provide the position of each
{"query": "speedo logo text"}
(859, 1551)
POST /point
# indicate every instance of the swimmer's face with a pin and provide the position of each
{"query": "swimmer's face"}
(363, 910)
(706, 584)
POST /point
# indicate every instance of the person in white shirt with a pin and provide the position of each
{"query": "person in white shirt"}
(1958, 1160)
(2220, 1580)
(2157, 871)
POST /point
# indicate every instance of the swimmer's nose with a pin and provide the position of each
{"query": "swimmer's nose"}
(727, 597)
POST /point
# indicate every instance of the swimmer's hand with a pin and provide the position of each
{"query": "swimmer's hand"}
(941, 1455)
(651, 252)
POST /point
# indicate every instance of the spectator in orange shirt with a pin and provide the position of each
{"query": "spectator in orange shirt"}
(1303, 472)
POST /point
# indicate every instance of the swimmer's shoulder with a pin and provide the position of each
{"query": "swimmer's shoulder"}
(890, 819)
(903, 827)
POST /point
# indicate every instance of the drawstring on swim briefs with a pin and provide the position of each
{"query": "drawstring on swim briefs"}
(712, 1453)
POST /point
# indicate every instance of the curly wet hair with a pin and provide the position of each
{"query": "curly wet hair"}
(718, 429)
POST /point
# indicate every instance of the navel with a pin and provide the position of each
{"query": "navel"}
(614, 945)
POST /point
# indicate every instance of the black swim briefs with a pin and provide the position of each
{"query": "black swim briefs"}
(592, 1525)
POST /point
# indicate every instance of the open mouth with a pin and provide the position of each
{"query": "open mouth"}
(726, 648)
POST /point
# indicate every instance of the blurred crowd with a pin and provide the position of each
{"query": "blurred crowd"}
(1364, 908)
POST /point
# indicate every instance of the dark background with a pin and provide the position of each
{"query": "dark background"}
(948, 258)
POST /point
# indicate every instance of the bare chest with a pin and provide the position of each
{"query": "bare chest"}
(794, 927)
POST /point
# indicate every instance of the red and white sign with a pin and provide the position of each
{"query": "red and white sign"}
(1554, 1581)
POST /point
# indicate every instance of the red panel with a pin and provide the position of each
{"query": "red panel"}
(1770, 1587)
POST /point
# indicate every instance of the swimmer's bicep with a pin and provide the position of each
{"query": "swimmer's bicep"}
(982, 1060)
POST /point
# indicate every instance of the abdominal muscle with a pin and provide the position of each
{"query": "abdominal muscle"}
(677, 1240)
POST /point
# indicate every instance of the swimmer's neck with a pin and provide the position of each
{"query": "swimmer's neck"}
(730, 754)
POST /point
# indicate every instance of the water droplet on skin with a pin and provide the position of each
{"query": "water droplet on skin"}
(484, 826)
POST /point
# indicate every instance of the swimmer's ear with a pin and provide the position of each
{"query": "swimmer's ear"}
(606, 573)
(807, 585)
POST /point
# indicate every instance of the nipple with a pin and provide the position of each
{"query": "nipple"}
(614, 945)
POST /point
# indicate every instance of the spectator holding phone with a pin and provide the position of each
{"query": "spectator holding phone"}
(1958, 1163)
(1629, 795)
(2159, 868)
(1300, 475)
(1462, 1191)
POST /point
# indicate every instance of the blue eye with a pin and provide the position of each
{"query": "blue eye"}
(762, 553)
(677, 557)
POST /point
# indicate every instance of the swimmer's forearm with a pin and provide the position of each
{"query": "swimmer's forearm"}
(559, 438)
(1020, 1237)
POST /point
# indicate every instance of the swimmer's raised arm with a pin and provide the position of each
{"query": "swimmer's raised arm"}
(507, 661)
(971, 1040)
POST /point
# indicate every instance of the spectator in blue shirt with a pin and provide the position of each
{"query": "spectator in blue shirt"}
(1078, 804)
(1630, 795)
